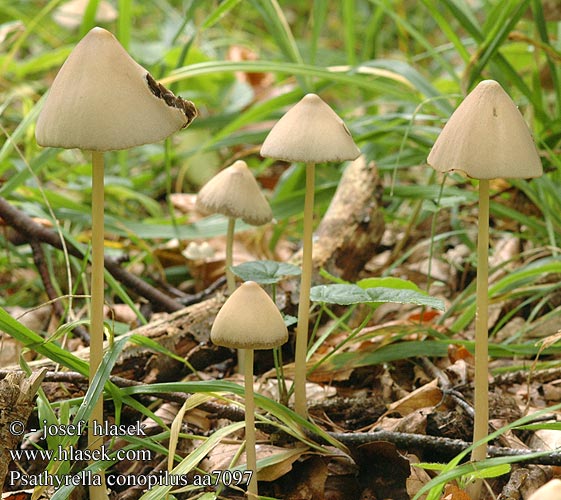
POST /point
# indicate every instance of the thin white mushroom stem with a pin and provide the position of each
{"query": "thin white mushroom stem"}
(481, 398)
(250, 453)
(300, 405)
(229, 255)
(96, 313)
(230, 279)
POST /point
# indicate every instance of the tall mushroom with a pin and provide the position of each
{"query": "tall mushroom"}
(309, 132)
(485, 138)
(102, 100)
(234, 192)
(249, 320)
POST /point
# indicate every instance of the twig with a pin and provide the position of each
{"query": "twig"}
(441, 445)
(195, 298)
(32, 231)
(217, 410)
(39, 259)
(445, 446)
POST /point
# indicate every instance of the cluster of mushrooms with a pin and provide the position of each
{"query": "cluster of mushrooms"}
(102, 100)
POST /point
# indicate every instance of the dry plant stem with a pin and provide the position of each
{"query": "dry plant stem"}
(251, 456)
(481, 422)
(96, 313)
(304, 304)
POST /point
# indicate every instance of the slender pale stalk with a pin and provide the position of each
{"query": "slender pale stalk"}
(300, 405)
(230, 279)
(229, 255)
(250, 453)
(481, 420)
(96, 313)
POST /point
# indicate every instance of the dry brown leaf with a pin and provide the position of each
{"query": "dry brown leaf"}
(121, 313)
(456, 352)
(452, 492)
(545, 439)
(418, 478)
(285, 458)
(315, 393)
(186, 203)
(221, 457)
(10, 350)
(415, 423)
(313, 474)
(257, 80)
(425, 396)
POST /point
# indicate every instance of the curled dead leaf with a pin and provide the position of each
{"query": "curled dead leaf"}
(425, 396)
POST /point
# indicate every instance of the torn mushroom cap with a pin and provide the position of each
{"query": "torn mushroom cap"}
(102, 100)
(486, 137)
(249, 320)
(311, 132)
(549, 491)
(234, 192)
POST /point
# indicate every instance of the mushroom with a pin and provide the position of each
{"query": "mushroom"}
(310, 132)
(234, 192)
(485, 138)
(249, 320)
(102, 100)
(549, 491)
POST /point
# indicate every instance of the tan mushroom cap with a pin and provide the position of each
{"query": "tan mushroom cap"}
(486, 137)
(103, 100)
(234, 192)
(249, 320)
(549, 491)
(312, 132)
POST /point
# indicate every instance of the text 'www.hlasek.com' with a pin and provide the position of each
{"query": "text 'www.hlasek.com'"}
(64, 451)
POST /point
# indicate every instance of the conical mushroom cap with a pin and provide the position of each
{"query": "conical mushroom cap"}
(234, 192)
(311, 132)
(249, 320)
(549, 491)
(102, 100)
(486, 137)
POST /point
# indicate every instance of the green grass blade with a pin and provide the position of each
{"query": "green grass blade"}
(503, 26)
(318, 16)
(124, 23)
(36, 343)
(279, 28)
(349, 32)
(218, 13)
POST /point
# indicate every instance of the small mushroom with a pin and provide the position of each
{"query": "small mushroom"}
(310, 132)
(102, 100)
(234, 192)
(485, 138)
(549, 491)
(249, 320)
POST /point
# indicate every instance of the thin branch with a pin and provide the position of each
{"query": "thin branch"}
(40, 264)
(215, 409)
(32, 231)
(442, 445)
